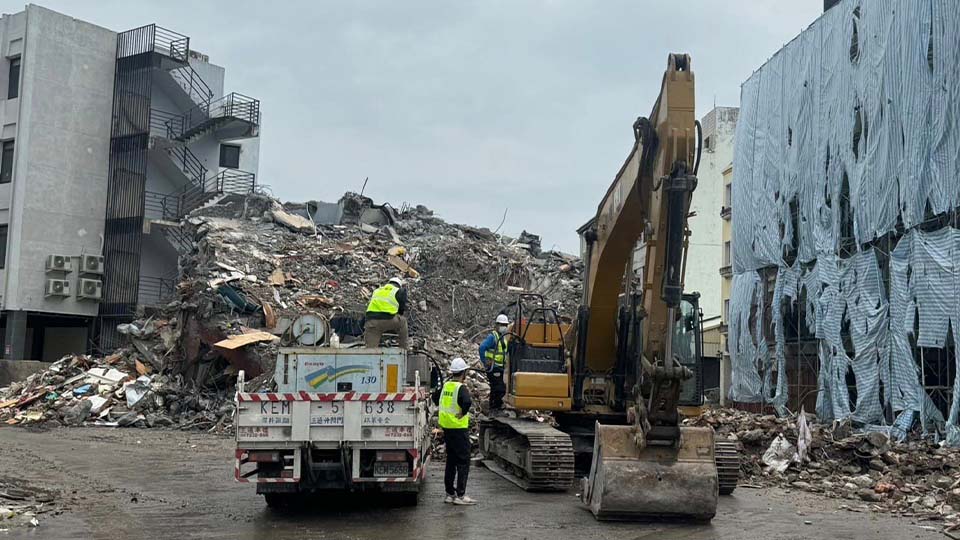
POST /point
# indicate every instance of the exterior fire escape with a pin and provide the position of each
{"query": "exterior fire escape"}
(149, 56)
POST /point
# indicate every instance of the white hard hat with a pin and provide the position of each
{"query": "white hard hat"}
(502, 319)
(459, 365)
(397, 281)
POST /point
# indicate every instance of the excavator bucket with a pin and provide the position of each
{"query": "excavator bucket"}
(656, 482)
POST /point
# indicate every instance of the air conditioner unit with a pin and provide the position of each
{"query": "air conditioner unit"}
(59, 263)
(91, 264)
(57, 287)
(90, 289)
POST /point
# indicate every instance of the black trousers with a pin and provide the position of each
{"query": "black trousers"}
(458, 460)
(497, 388)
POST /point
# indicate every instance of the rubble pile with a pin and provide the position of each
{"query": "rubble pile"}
(118, 390)
(460, 276)
(255, 266)
(919, 478)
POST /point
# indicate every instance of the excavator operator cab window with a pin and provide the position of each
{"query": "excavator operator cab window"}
(688, 348)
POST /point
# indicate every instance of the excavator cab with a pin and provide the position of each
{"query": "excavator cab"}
(537, 372)
(688, 349)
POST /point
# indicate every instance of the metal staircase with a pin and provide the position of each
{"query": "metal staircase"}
(235, 112)
(190, 82)
(156, 291)
(172, 207)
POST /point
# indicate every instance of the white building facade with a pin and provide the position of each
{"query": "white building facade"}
(108, 139)
(708, 253)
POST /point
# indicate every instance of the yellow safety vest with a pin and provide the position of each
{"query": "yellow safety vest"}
(500, 354)
(449, 408)
(384, 300)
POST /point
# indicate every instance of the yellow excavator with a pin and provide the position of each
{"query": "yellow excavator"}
(616, 377)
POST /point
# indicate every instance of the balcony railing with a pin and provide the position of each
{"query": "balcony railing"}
(153, 38)
(162, 206)
(207, 115)
(726, 271)
(725, 212)
(230, 181)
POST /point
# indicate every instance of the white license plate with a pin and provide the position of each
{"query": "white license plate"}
(387, 468)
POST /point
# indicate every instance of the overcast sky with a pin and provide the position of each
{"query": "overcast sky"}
(466, 107)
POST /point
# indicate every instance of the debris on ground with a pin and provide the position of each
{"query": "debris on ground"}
(255, 265)
(22, 505)
(918, 478)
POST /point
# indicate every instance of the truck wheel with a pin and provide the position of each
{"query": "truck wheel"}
(277, 501)
(408, 499)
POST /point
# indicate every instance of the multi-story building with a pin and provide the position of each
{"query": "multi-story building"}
(706, 253)
(108, 139)
(707, 250)
(726, 280)
(846, 238)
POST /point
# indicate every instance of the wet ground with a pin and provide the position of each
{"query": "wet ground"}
(149, 484)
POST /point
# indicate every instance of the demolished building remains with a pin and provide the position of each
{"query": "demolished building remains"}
(846, 249)
(253, 267)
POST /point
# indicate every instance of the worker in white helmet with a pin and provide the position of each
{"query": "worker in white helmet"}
(385, 313)
(454, 418)
(493, 356)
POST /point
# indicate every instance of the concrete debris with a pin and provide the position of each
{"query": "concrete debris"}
(293, 222)
(254, 267)
(916, 478)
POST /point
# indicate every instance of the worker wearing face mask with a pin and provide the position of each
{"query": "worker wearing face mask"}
(493, 356)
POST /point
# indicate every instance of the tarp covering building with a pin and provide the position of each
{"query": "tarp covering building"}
(846, 188)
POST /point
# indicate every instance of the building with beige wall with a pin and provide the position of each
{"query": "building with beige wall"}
(726, 279)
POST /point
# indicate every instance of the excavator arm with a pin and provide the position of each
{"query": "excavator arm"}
(652, 467)
(649, 199)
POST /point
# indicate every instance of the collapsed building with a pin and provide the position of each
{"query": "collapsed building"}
(252, 267)
(846, 248)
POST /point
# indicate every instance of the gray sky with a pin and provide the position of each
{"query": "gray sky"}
(466, 107)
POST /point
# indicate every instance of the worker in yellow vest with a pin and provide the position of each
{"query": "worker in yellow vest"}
(385, 313)
(493, 356)
(454, 419)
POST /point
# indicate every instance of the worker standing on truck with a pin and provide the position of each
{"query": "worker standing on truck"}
(385, 313)
(493, 355)
(454, 419)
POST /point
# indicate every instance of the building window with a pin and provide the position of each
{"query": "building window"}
(6, 163)
(708, 144)
(727, 194)
(3, 246)
(13, 86)
(726, 253)
(230, 156)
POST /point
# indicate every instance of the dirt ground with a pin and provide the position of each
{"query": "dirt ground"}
(131, 484)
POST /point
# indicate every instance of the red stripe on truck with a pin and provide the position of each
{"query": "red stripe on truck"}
(339, 396)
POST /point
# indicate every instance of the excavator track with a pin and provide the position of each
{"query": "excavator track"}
(532, 455)
(728, 465)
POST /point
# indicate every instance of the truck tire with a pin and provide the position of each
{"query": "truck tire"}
(276, 501)
(408, 498)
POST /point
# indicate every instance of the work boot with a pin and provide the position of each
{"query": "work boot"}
(448, 499)
(464, 501)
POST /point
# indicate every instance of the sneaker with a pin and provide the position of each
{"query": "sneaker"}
(449, 499)
(464, 501)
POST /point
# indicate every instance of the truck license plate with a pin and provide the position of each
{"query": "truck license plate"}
(382, 468)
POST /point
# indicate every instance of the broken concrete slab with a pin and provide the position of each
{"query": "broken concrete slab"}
(293, 222)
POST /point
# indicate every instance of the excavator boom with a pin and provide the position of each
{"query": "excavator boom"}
(652, 467)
